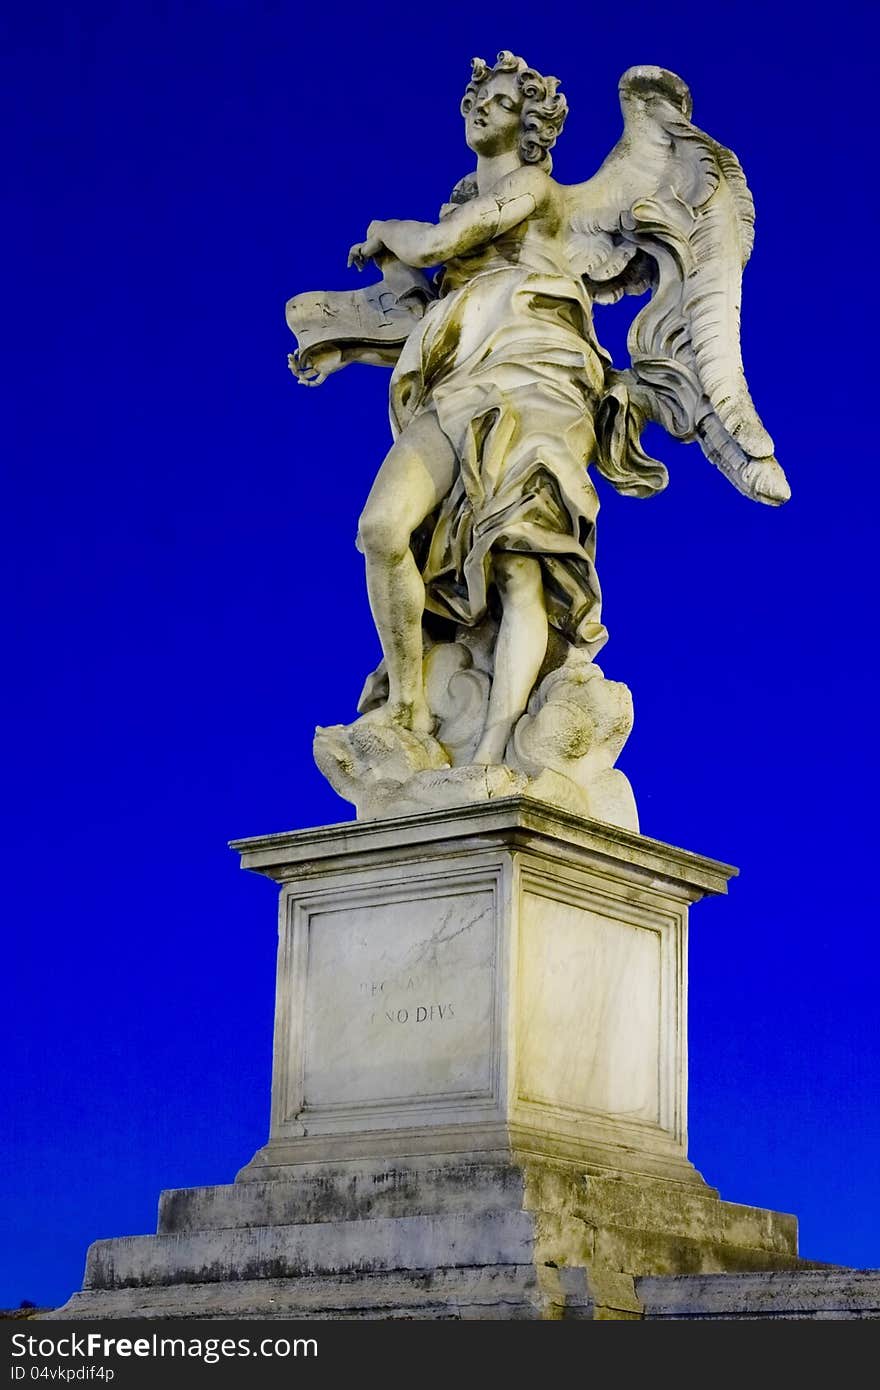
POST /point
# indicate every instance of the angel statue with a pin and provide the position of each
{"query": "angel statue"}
(479, 530)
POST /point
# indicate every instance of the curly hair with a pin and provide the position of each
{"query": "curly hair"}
(544, 108)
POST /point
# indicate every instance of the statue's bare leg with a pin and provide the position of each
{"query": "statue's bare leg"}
(415, 477)
(519, 651)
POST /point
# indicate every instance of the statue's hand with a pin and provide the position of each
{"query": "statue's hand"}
(317, 365)
(366, 250)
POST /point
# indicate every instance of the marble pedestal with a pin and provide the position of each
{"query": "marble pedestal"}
(479, 1098)
(491, 978)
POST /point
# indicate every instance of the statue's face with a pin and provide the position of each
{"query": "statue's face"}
(492, 125)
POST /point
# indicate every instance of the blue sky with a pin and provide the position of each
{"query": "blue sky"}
(185, 602)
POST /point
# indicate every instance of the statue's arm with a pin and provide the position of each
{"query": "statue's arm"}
(472, 224)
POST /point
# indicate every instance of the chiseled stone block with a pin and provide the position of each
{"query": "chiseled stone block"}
(821, 1295)
(400, 979)
(483, 979)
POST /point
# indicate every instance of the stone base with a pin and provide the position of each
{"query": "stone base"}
(562, 750)
(479, 1098)
(816, 1295)
(483, 979)
(520, 1238)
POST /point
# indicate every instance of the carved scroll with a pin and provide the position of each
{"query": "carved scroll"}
(335, 327)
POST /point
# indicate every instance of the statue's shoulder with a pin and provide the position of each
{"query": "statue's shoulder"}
(529, 179)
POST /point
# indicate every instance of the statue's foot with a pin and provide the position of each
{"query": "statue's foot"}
(490, 749)
(413, 716)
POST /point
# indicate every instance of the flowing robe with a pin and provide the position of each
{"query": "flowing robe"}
(508, 361)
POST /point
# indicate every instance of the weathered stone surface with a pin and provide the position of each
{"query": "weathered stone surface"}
(503, 1292)
(518, 822)
(354, 1191)
(365, 1190)
(528, 1238)
(507, 978)
(325, 1247)
(479, 1093)
(805, 1294)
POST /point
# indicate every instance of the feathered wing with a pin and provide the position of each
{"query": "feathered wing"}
(670, 211)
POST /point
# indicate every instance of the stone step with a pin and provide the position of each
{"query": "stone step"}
(350, 1192)
(488, 1293)
(649, 1206)
(822, 1295)
(364, 1190)
(330, 1247)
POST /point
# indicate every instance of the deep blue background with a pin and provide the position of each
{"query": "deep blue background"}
(184, 602)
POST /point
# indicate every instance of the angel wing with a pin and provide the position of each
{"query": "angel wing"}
(670, 211)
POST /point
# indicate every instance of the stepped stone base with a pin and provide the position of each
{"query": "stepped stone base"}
(817, 1295)
(479, 1097)
(514, 1238)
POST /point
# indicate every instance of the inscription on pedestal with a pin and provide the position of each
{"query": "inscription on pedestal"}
(420, 1013)
(399, 1000)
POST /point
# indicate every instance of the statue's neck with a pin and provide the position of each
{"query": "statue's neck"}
(492, 167)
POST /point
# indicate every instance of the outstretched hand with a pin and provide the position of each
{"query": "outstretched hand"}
(364, 251)
(316, 367)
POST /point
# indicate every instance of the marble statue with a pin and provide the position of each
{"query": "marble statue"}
(479, 530)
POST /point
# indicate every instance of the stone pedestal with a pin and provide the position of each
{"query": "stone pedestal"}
(479, 1100)
(494, 978)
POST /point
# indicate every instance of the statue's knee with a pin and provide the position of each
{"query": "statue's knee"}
(517, 575)
(381, 536)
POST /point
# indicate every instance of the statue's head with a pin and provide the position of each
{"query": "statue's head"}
(512, 107)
